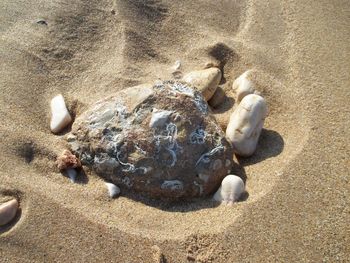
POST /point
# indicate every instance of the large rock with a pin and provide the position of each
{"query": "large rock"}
(160, 141)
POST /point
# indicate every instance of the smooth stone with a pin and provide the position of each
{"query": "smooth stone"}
(206, 81)
(177, 65)
(113, 190)
(243, 86)
(60, 116)
(8, 211)
(246, 123)
(230, 190)
(218, 98)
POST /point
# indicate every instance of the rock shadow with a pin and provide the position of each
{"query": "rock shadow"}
(224, 55)
(191, 204)
(270, 145)
(81, 178)
(225, 106)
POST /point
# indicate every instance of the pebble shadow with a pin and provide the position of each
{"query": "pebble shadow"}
(81, 178)
(270, 145)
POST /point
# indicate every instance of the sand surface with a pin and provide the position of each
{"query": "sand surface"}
(298, 208)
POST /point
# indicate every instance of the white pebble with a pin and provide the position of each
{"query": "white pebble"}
(230, 190)
(177, 65)
(243, 86)
(206, 81)
(8, 211)
(246, 123)
(113, 190)
(72, 174)
(60, 116)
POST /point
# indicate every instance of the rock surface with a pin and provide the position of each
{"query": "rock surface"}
(160, 141)
(206, 81)
(246, 123)
(60, 116)
(231, 189)
(8, 211)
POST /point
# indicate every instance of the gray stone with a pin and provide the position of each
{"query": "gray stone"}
(160, 141)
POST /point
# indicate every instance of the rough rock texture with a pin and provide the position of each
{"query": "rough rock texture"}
(160, 141)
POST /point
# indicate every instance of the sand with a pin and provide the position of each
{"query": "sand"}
(298, 207)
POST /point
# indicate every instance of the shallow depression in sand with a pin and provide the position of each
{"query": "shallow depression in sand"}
(280, 142)
(282, 139)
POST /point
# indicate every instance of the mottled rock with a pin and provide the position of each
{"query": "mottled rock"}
(8, 211)
(60, 116)
(231, 189)
(159, 141)
(246, 123)
(67, 160)
(206, 81)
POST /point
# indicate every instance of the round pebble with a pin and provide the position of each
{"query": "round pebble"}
(230, 190)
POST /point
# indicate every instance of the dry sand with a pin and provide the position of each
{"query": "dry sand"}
(298, 208)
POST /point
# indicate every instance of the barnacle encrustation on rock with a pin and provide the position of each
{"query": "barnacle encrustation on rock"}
(158, 140)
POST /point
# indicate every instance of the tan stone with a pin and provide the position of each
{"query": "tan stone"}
(206, 81)
(8, 211)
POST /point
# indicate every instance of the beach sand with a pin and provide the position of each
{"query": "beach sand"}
(298, 203)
